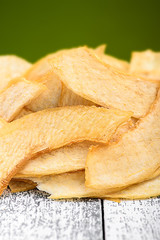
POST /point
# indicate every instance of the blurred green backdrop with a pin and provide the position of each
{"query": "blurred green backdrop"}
(34, 28)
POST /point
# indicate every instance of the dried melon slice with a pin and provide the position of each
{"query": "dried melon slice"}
(115, 62)
(123, 128)
(146, 64)
(16, 95)
(65, 159)
(23, 113)
(83, 73)
(147, 189)
(100, 50)
(69, 98)
(41, 72)
(50, 97)
(50, 129)
(21, 185)
(38, 70)
(2, 123)
(72, 185)
(133, 159)
(67, 185)
(11, 67)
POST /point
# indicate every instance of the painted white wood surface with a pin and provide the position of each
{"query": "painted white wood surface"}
(133, 220)
(30, 215)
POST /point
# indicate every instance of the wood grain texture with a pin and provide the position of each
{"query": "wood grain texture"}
(133, 220)
(30, 215)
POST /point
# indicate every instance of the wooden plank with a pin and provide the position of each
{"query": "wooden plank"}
(138, 220)
(30, 215)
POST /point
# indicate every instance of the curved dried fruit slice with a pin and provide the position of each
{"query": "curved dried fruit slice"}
(72, 185)
(2, 122)
(100, 50)
(67, 185)
(50, 129)
(23, 113)
(86, 75)
(115, 62)
(16, 95)
(69, 98)
(147, 189)
(41, 72)
(40, 68)
(11, 67)
(131, 160)
(123, 128)
(21, 185)
(65, 159)
(50, 97)
(146, 64)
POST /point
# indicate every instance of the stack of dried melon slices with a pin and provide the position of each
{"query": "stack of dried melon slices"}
(80, 123)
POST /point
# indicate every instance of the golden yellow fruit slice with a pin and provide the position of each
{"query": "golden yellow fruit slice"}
(133, 159)
(16, 95)
(23, 113)
(40, 68)
(123, 128)
(2, 123)
(100, 50)
(69, 98)
(147, 189)
(115, 62)
(86, 75)
(50, 97)
(146, 64)
(21, 185)
(67, 185)
(72, 185)
(11, 67)
(65, 159)
(41, 72)
(50, 129)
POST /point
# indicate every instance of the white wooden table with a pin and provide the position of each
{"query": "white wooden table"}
(30, 215)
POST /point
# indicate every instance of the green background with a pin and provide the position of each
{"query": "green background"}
(34, 28)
